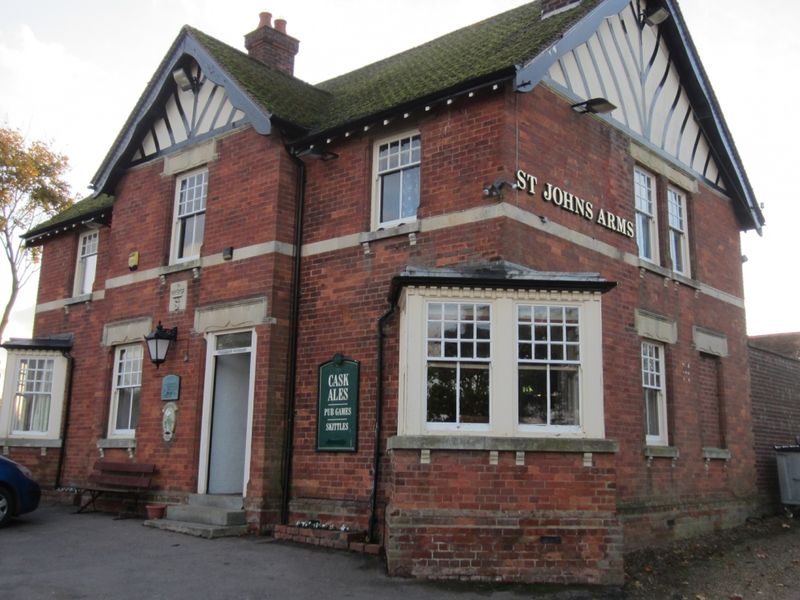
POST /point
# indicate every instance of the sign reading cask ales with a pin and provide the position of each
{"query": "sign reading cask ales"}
(337, 406)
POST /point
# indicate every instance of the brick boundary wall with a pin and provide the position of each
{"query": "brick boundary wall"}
(775, 393)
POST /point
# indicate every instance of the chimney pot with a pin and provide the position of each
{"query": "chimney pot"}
(264, 20)
(271, 45)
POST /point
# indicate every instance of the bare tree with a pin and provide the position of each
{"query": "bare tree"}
(32, 189)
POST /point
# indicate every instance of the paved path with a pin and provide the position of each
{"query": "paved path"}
(54, 554)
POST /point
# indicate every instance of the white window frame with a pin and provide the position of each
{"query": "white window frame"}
(11, 393)
(86, 264)
(677, 218)
(503, 367)
(653, 372)
(179, 218)
(551, 345)
(646, 210)
(437, 346)
(127, 379)
(379, 173)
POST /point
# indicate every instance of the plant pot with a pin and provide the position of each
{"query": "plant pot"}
(155, 511)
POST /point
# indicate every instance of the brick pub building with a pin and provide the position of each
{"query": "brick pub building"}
(481, 300)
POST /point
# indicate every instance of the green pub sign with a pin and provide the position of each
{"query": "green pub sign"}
(337, 406)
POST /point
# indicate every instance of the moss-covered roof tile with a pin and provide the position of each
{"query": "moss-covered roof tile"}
(83, 209)
(285, 97)
(493, 46)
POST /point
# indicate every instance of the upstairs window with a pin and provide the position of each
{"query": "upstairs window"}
(126, 390)
(397, 181)
(87, 262)
(678, 237)
(646, 229)
(190, 215)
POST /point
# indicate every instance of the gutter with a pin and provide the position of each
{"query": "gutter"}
(288, 438)
(373, 501)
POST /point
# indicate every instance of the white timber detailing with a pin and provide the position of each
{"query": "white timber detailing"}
(629, 64)
(203, 109)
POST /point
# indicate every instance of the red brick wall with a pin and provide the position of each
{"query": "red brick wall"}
(551, 519)
(775, 381)
(344, 295)
(251, 199)
(436, 508)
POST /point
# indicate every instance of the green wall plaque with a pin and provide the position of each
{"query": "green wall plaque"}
(170, 388)
(337, 406)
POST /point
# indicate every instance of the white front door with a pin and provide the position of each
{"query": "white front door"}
(227, 413)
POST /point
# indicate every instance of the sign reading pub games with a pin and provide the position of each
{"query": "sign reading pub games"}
(337, 405)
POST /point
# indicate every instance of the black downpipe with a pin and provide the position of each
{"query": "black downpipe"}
(288, 438)
(378, 427)
(65, 431)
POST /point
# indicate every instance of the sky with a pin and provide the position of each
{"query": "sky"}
(72, 71)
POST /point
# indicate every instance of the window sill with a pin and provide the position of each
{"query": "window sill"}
(716, 454)
(393, 231)
(646, 265)
(187, 265)
(128, 444)
(662, 452)
(515, 444)
(29, 442)
(116, 443)
(78, 299)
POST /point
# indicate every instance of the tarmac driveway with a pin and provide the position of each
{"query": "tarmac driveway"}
(54, 554)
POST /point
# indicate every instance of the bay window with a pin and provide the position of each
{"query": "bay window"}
(500, 363)
(33, 395)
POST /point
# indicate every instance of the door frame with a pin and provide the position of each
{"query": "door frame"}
(208, 407)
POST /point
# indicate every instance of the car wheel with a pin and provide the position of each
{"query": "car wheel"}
(5, 506)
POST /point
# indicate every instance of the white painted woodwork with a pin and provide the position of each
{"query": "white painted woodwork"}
(630, 65)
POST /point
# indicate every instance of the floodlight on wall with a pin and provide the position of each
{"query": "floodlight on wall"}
(655, 15)
(594, 105)
(316, 152)
(158, 343)
(182, 79)
(495, 190)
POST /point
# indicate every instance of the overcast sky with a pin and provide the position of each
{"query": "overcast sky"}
(71, 72)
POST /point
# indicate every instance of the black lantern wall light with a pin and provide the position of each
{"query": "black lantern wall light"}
(158, 343)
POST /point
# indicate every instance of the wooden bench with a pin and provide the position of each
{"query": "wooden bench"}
(118, 478)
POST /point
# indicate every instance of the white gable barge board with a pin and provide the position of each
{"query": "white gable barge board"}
(189, 116)
(159, 89)
(631, 66)
(693, 78)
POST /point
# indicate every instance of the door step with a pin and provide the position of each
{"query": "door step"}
(205, 515)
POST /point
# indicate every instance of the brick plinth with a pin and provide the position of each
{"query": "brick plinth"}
(459, 517)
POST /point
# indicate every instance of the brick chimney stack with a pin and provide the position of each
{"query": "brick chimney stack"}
(553, 7)
(272, 46)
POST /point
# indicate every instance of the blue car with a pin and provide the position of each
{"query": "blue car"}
(19, 493)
